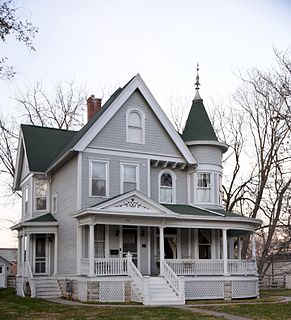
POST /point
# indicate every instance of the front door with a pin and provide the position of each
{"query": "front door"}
(40, 259)
(130, 242)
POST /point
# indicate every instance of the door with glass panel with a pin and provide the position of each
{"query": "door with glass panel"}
(130, 242)
(40, 257)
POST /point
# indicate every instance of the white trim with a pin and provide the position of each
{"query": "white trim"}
(142, 118)
(174, 178)
(26, 201)
(25, 180)
(219, 144)
(189, 243)
(55, 210)
(138, 245)
(106, 177)
(135, 83)
(34, 196)
(79, 180)
(179, 249)
(107, 239)
(149, 177)
(149, 249)
(137, 174)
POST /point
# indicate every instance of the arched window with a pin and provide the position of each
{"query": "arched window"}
(135, 126)
(167, 187)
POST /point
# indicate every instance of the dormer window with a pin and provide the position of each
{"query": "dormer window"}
(135, 126)
(167, 182)
(204, 187)
(41, 196)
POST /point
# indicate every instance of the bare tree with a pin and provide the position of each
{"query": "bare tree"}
(13, 23)
(179, 109)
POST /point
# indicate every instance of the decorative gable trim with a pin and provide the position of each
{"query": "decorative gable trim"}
(135, 83)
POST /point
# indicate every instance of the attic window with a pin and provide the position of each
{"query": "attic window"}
(40, 195)
(135, 126)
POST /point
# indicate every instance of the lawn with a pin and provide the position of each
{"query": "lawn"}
(13, 307)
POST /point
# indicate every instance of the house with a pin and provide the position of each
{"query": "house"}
(129, 209)
(8, 265)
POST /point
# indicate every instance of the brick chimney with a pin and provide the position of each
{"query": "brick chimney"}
(93, 106)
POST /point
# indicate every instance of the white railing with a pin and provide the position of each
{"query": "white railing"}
(173, 280)
(84, 266)
(137, 278)
(242, 267)
(30, 280)
(110, 266)
(187, 267)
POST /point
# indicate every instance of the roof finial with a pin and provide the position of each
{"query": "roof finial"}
(197, 84)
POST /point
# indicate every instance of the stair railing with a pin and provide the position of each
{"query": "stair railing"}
(176, 283)
(136, 277)
(30, 280)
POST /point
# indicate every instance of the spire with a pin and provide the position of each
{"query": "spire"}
(197, 84)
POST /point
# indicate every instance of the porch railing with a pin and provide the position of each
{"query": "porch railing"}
(174, 281)
(137, 279)
(24, 270)
(188, 267)
(110, 266)
(30, 280)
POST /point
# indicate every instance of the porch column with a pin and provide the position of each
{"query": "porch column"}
(91, 250)
(19, 256)
(56, 255)
(28, 249)
(224, 251)
(239, 248)
(162, 250)
(79, 249)
(254, 247)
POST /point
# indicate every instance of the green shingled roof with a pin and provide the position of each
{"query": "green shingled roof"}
(194, 211)
(43, 145)
(48, 217)
(198, 125)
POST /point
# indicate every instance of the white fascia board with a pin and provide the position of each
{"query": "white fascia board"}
(218, 144)
(208, 210)
(136, 83)
(19, 160)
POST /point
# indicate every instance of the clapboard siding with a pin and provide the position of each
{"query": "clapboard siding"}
(25, 170)
(157, 140)
(207, 155)
(181, 185)
(64, 184)
(114, 175)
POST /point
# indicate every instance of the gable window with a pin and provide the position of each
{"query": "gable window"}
(204, 187)
(41, 196)
(167, 187)
(98, 178)
(129, 180)
(54, 203)
(26, 200)
(135, 126)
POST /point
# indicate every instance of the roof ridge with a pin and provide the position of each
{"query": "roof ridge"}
(44, 127)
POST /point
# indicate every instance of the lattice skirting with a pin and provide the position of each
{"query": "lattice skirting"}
(111, 291)
(244, 289)
(204, 289)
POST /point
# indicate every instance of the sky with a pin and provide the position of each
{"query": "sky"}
(102, 43)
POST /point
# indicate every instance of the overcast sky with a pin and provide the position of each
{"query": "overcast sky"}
(104, 42)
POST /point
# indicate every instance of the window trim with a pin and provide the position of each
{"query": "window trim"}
(174, 178)
(47, 194)
(137, 173)
(210, 187)
(26, 200)
(55, 196)
(91, 161)
(143, 117)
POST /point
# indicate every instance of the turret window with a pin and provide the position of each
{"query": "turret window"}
(204, 187)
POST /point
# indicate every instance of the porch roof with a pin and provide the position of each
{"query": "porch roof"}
(46, 219)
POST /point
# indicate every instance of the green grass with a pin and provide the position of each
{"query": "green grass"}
(276, 292)
(13, 307)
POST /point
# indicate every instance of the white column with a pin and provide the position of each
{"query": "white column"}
(239, 248)
(224, 251)
(19, 255)
(79, 249)
(189, 243)
(196, 244)
(91, 250)
(56, 254)
(231, 244)
(28, 249)
(254, 247)
(162, 250)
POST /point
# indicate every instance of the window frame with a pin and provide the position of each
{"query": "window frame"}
(55, 198)
(91, 161)
(143, 117)
(137, 174)
(26, 200)
(209, 187)
(174, 178)
(46, 196)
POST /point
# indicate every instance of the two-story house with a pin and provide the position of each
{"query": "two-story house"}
(129, 209)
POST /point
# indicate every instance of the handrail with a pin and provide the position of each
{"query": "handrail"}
(110, 266)
(136, 276)
(30, 280)
(173, 279)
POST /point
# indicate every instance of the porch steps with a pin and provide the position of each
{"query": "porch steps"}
(47, 287)
(160, 293)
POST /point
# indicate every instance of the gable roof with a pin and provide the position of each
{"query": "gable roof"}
(194, 130)
(43, 144)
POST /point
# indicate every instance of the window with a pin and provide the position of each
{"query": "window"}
(135, 122)
(129, 179)
(26, 200)
(99, 179)
(40, 195)
(99, 240)
(204, 187)
(54, 203)
(204, 239)
(167, 187)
